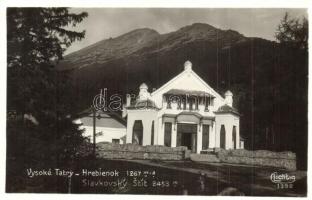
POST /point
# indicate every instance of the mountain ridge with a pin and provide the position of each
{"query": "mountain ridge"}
(143, 40)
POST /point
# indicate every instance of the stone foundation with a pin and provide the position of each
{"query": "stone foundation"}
(286, 160)
(133, 151)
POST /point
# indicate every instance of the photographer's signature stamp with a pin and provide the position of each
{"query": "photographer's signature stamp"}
(283, 180)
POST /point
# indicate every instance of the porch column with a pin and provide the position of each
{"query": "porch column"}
(174, 135)
(129, 130)
(160, 132)
(156, 128)
(199, 137)
(147, 132)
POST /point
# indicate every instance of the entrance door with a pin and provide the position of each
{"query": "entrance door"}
(186, 140)
(189, 140)
(187, 136)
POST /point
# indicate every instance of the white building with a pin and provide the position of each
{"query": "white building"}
(185, 111)
(110, 127)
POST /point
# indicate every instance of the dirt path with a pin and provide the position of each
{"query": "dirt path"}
(251, 180)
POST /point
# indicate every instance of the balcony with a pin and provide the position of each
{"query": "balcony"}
(201, 104)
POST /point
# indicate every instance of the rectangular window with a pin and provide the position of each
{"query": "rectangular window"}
(168, 129)
(168, 105)
(207, 102)
(115, 141)
(191, 104)
(168, 100)
(205, 142)
(179, 104)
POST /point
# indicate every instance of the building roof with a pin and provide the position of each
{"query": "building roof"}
(226, 109)
(188, 92)
(228, 93)
(143, 86)
(108, 119)
(143, 104)
(183, 74)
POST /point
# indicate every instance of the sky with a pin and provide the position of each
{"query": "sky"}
(103, 23)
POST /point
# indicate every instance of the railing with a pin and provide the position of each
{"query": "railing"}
(188, 107)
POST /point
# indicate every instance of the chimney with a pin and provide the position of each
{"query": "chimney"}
(228, 98)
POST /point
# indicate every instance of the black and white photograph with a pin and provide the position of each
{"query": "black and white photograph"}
(157, 101)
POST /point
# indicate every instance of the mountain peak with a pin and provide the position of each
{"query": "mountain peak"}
(202, 25)
(141, 32)
(198, 27)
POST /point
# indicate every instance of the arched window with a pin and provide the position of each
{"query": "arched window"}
(222, 137)
(137, 133)
(234, 137)
(152, 134)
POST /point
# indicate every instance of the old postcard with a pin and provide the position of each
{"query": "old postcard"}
(157, 101)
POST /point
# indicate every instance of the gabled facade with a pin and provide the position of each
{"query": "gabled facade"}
(185, 111)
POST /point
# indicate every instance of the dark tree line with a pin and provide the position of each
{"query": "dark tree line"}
(292, 34)
(275, 117)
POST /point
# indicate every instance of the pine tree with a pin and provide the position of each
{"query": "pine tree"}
(293, 32)
(43, 128)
